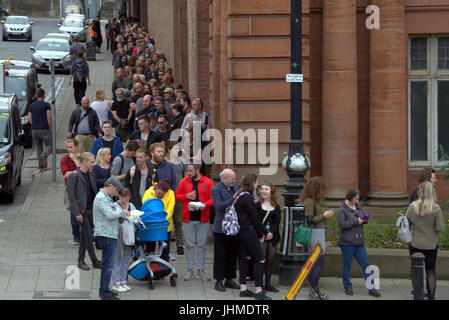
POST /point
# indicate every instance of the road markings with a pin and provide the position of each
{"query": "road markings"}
(58, 86)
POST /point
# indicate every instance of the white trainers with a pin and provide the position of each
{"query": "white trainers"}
(119, 289)
(125, 286)
(189, 275)
(171, 257)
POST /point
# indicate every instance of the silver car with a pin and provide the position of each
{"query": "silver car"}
(74, 27)
(47, 49)
(17, 27)
(59, 36)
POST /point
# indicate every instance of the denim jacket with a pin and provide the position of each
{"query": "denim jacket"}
(106, 216)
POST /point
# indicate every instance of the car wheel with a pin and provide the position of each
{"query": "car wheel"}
(19, 180)
(29, 143)
(4, 38)
(30, 38)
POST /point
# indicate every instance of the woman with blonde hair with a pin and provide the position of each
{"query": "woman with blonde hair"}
(101, 105)
(426, 220)
(102, 169)
(313, 193)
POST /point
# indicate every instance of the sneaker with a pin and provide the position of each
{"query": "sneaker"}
(171, 258)
(247, 294)
(270, 288)
(189, 275)
(126, 287)
(229, 283)
(314, 296)
(203, 276)
(180, 250)
(118, 289)
(76, 242)
(426, 295)
(261, 296)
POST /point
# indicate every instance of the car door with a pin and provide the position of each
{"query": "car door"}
(18, 149)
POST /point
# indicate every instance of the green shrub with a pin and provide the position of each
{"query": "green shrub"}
(381, 236)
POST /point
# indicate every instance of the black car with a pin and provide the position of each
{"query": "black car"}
(21, 79)
(11, 146)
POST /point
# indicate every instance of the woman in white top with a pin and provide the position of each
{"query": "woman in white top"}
(101, 105)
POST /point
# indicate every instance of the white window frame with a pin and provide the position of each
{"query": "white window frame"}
(431, 75)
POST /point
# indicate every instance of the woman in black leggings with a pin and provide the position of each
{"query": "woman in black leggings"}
(270, 216)
(251, 236)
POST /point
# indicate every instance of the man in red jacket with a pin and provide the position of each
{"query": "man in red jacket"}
(194, 191)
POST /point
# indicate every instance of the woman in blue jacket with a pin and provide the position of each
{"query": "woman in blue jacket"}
(351, 218)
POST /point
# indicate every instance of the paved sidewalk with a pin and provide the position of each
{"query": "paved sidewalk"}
(36, 240)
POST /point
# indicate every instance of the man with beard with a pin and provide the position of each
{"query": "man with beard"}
(194, 191)
(139, 178)
(161, 169)
(122, 113)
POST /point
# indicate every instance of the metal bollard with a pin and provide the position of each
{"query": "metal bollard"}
(418, 275)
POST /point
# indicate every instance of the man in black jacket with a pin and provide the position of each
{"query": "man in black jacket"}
(81, 191)
(84, 126)
(139, 178)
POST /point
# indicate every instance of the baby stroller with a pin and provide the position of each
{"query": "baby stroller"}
(150, 267)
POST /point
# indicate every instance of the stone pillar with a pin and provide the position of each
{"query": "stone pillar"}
(339, 146)
(388, 107)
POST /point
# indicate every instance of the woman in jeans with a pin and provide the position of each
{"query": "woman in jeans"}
(351, 218)
(313, 193)
(425, 221)
(270, 216)
(251, 236)
(69, 164)
(124, 252)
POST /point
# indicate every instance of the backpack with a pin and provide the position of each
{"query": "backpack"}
(404, 228)
(78, 75)
(230, 225)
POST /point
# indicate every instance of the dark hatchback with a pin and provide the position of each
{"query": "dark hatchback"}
(11, 147)
(21, 79)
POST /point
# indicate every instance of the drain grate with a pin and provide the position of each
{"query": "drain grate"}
(61, 295)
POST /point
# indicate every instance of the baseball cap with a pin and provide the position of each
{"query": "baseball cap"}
(114, 181)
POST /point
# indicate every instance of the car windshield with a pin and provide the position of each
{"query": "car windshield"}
(72, 23)
(5, 129)
(16, 85)
(16, 20)
(53, 46)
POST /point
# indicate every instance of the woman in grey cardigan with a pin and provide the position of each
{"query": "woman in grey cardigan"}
(351, 218)
(425, 221)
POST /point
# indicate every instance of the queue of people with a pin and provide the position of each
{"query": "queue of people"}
(138, 163)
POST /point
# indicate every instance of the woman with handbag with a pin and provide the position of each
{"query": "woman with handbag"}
(251, 236)
(124, 245)
(351, 218)
(426, 220)
(313, 193)
(270, 216)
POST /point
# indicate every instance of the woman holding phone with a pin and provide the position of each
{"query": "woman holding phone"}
(351, 218)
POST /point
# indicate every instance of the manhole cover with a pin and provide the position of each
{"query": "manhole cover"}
(61, 295)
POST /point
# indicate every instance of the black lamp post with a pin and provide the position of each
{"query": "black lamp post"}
(296, 162)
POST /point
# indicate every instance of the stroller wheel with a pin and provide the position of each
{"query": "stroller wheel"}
(151, 284)
(173, 281)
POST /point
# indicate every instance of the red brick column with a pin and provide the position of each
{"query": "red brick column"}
(388, 107)
(339, 146)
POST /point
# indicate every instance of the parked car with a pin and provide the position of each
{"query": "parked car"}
(59, 36)
(74, 27)
(47, 49)
(17, 27)
(21, 78)
(11, 147)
